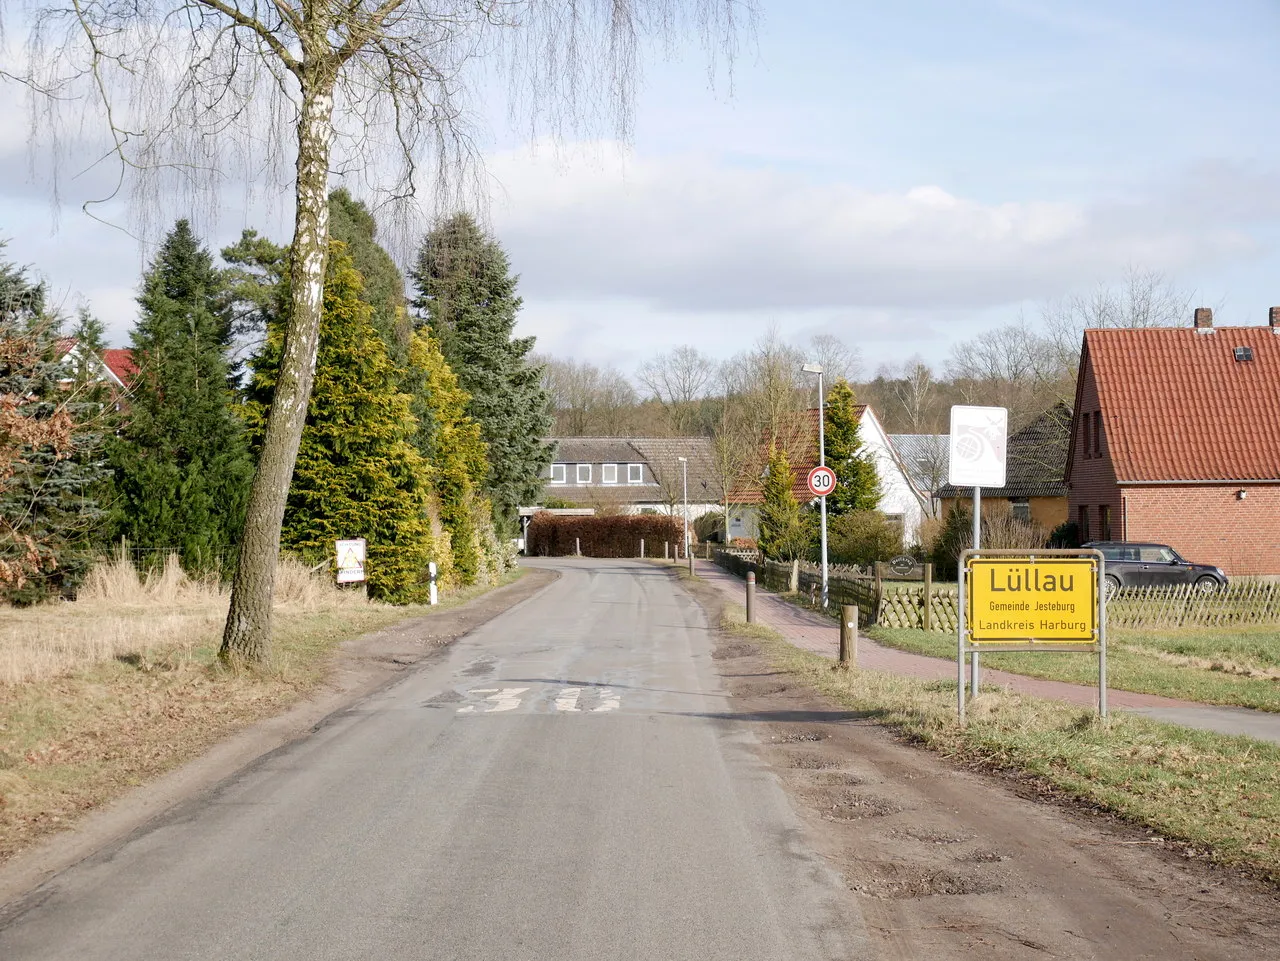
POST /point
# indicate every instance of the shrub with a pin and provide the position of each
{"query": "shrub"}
(1000, 529)
(709, 527)
(552, 535)
(1065, 536)
(862, 538)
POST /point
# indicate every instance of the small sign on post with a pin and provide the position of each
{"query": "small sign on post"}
(350, 556)
(821, 481)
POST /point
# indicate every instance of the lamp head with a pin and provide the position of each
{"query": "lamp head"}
(812, 368)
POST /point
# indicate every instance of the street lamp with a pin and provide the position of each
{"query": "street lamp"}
(684, 473)
(822, 462)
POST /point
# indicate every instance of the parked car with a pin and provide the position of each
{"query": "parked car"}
(1132, 564)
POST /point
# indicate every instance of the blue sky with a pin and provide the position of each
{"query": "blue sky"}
(901, 175)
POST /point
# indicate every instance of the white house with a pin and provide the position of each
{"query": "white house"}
(633, 475)
(900, 499)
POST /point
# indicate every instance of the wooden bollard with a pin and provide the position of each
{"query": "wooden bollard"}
(848, 635)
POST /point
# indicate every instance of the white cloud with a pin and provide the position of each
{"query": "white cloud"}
(688, 233)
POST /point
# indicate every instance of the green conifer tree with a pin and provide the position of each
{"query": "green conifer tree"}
(450, 442)
(786, 530)
(50, 451)
(358, 473)
(466, 294)
(182, 463)
(858, 483)
(351, 222)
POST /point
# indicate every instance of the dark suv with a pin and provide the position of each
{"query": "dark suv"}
(1154, 565)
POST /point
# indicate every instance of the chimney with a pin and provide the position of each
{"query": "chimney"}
(1273, 318)
(1203, 318)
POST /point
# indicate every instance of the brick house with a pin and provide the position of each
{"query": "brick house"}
(1176, 439)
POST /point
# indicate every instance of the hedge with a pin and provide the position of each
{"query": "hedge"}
(552, 535)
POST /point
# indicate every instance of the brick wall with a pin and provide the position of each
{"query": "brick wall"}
(1092, 481)
(1210, 525)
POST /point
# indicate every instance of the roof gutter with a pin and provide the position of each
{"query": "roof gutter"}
(1197, 481)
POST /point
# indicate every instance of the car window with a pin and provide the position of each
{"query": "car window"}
(1157, 555)
(1110, 553)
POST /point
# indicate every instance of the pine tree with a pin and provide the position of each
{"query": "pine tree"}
(858, 483)
(467, 296)
(786, 531)
(358, 473)
(351, 222)
(182, 462)
(50, 451)
(450, 441)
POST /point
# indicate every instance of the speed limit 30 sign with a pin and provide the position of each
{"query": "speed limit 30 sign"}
(822, 481)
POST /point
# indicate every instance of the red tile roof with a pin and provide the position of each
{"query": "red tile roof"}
(1177, 405)
(120, 362)
(802, 461)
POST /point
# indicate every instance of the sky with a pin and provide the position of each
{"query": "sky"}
(903, 176)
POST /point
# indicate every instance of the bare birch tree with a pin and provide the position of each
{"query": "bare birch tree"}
(193, 91)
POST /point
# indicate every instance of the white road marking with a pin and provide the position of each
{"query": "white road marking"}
(608, 701)
(467, 710)
(508, 699)
(568, 699)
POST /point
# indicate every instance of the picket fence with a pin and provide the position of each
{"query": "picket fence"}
(901, 605)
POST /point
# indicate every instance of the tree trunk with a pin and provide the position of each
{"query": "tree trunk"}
(247, 636)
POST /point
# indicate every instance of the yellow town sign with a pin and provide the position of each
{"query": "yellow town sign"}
(1050, 600)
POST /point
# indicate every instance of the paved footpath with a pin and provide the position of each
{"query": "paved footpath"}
(814, 632)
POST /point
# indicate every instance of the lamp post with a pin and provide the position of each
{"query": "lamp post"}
(822, 462)
(684, 474)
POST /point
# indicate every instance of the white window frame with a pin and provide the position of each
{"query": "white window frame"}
(608, 473)
(558, 473)
(635, 473)
(581, 469)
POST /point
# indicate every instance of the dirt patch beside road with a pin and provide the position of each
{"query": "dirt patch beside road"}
(947, 863)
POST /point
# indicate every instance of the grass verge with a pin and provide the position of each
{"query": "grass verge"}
(95, 715)
(1236, 668)
(1219, 795)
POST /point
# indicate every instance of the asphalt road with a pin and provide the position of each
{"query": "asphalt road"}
(567, 782)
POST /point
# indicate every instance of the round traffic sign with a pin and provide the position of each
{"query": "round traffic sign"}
(822, 481)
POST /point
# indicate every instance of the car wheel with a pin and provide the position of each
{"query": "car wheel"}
(1113, 584)
(1207, 585)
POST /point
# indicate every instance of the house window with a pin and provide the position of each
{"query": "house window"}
(1084, 434)
(584, 473)
(1020, 509)
(557, 473)
(1082, 521)
(635, 473)
(1097, 433)
(608, 473)
(1104, 518)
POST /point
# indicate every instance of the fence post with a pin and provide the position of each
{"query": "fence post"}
(793, 585)
(751, 597)
(927, 620)
(848, 635)
(879, 598)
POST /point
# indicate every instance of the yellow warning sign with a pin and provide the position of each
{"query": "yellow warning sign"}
(1050, 600)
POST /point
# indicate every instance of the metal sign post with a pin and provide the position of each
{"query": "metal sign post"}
(979, 436)
(1047, 600)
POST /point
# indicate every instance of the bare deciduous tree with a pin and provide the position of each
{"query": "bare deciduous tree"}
(588, 399)
(194, 91)
(679, 379)
(838, 360)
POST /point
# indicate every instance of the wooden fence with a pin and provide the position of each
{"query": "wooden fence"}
(889, 604)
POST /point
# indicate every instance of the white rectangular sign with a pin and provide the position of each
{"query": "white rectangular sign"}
(978, 439)
(350, 560)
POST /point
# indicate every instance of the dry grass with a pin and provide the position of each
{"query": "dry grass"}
(123, 614)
